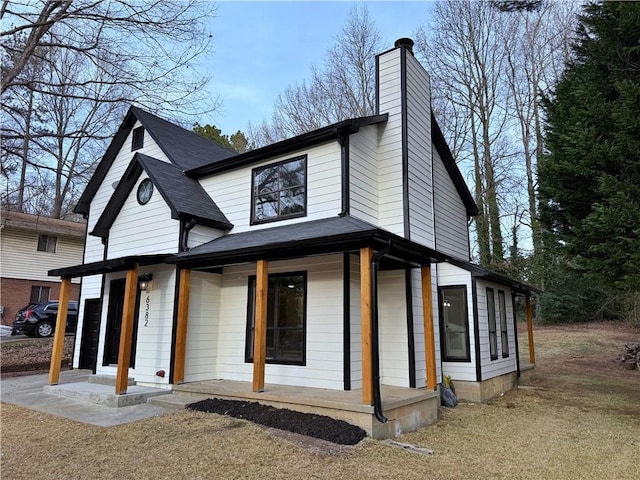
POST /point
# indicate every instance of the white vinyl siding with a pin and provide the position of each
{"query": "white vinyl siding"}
(201, 234)
(231, 190)
(202, 327)
(143, 229)
(153, 340)
(324, 342)
(392, 324)
(355, 323)
(451, 275)
(20, 258)
(94, 249)
(500, 366)
(390, 182)
(363, 174)
(452, 235)
(419, 153)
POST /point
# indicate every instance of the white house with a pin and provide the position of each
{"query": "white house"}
(328, 272)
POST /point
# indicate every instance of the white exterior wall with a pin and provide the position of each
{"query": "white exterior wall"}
(153, 341)
(452, 235)
(500, 366)
(363, 174)
(202, 327)
(324, 347)
(355, 324)
(20, 258)
(143, 229)
(231, 190)
(390, 183)
(420, 183)
(94, 249)
(451, 275)
(201, 234)
(392, 324)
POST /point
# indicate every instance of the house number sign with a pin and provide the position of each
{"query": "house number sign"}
(146, 311)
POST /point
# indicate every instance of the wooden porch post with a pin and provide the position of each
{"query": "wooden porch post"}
(260, 326)
(366, 255)
(126, 331)
(429, 336)
(532, 353)
(61, 325)
(181, 330)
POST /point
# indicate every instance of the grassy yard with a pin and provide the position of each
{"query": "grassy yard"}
(580, 418)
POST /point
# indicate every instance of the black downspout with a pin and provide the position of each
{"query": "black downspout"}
(343, 140)
(184, 241)
(375, 347)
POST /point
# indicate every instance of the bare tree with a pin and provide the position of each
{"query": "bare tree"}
(465, 56)
(343, 88)
(69, 69)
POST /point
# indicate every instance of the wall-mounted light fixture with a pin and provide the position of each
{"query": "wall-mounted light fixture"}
(144, 282)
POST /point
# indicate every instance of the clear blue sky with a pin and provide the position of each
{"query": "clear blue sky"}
(260, 48)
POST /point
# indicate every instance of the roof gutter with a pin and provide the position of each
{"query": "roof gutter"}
(375, 347)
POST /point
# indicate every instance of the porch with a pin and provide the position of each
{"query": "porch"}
(406, 409)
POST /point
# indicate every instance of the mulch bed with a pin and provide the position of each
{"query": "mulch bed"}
(318, 426)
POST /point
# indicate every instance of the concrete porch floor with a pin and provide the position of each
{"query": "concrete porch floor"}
(406, 409)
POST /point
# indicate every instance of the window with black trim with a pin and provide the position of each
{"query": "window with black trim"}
(137, 138)
(502, 307)
(286, 318)
(279, 190)
(491, 316)
(47, 243)
(454, 323)
(39, 294)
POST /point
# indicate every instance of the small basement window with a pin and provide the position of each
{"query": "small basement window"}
(47, 243)
(137, 140)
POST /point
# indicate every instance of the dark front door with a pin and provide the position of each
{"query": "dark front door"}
(114, 324)
(90, 334)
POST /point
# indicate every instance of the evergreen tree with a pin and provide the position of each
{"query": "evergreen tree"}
(589, 182)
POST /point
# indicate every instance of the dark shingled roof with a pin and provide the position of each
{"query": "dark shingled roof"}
(183, 148)
(185, 197)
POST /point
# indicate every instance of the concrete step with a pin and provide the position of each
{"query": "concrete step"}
(175, 400)
(104, 394)
(102, 379)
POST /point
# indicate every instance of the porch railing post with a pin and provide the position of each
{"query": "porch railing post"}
(181, 330)
(429, 334)
(260, 327)
(58, 339)
(366, 255)
(126, 330)
(529, 311)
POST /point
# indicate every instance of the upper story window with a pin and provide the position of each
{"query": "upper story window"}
(137, 139)
(279, 191)
(47, 243)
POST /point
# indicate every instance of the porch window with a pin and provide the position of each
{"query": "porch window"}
(502, 306)
(454, 324)
(286, 318)
(491, 316)
(279, 191)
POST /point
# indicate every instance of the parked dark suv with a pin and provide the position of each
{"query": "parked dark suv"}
(40, 319)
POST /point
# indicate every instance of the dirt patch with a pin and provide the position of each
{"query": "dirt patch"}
(32, 355)
(317, 426)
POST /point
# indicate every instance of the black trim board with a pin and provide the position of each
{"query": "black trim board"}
(410, 331)
(476, 329)
(515, 331)
(174, 326)
(346, 320)
(404, 141)
(325, 134)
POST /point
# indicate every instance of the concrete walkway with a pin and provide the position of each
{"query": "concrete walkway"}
(28, 391)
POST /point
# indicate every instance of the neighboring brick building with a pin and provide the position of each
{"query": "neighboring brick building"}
(30, 246)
